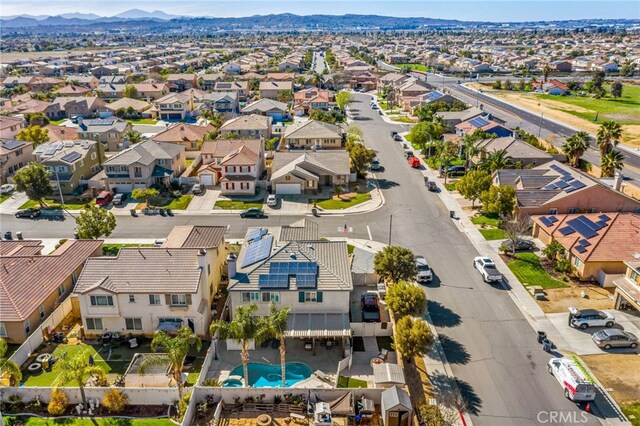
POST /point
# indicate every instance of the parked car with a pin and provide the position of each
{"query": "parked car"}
(572, 379)
(374, 106)
(375, 165)
(104, 198)
(414, 162)
(380, 111)
(7, 188)
(119, 198)
(585, 318)
(272, 200)
(30, 212)
(614, 338)
(431, 186)
(408, 154)
(487, 269)
(424, 271)
(197, 189)
(521, 245)
(393, 133)
(252, 212)
(397, 138)
(456, 171)
(369, 307)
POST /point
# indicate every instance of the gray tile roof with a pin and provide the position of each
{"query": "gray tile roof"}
(191, 236)
(318, 163)
(145, 153)
(537, 197)
(143, 270)
(510, 176)
(303, 230)
(312, 129)
(265, 105)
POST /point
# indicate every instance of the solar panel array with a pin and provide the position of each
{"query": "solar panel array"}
(257, 251)
(305, 273)
(71, 157)
(100, 121)
(478, 122)
(256, 234)
(273, 281)
(12, 144)
(586, 228)
(548, 221)
(604, 217)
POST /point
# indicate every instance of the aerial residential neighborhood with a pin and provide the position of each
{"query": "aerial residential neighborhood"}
(384, 213)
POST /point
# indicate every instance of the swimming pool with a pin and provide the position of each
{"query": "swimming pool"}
(269, 376)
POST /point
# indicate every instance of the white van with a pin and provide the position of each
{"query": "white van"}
(575, 384)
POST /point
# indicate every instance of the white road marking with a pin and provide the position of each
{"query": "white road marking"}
(369, 231)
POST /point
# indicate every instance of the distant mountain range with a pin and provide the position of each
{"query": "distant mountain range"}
(127, 14)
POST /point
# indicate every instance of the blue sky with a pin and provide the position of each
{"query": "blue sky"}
(468, 10)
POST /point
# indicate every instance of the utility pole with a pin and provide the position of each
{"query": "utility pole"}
(540, 125)
(60, 189)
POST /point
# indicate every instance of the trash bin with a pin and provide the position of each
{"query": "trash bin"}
(314, 212)
(75, 235)
(452, 214)
(133, 212)
(19, 235)
(541, 336)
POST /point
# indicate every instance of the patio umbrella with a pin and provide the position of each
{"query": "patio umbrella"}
(92, 362)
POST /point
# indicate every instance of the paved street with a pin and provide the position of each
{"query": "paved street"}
(319, 63)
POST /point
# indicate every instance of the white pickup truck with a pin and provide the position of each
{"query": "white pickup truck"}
(487, 269)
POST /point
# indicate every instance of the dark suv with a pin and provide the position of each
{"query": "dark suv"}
(369, 308)
(456, 171)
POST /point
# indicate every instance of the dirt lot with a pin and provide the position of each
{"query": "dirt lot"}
(559, 299)
(618, 372)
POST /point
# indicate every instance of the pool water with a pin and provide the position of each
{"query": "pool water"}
(269, 376)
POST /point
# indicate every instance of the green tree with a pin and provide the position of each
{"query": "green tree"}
(499, 199)
(360, 157)
(253, 84)
(425, 133)
(594, 86)
(95, 222)
(76, 370)
(35, 134)
(395, 264)
(616, 89)
(173, 350)
(575, 146)
(412, 337)
(515, 229)
(133, 136)
(145, 194)
(447, 152)
(338, 190)
(546, 70)
(610, 162)
(284, 96)
(508, 85)
(8, 367)
(343, 98)
(496, 160)
(405, 299)
(276, 327)
(37, 119)
(608, 136)
(130, 91)
(355, 131)
(474, 184)
(244, 328)
(35, 181)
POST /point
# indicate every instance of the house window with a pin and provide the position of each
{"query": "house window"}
(310, 297)
(576, 262)
(3, 330)
(553, 211)
(27, 326)
(132, 298)
(137, 172)
(250, 296)
(287, 177)
(178, 300)
(61, 290)
(309, 184)
(133, 323)
(173, 320)
(154, 299)
(74, 277)
(271, 296)
(101, 300)
(41, 311)
(194, 145)
(634, 276)
(94, 323)
(571, 211)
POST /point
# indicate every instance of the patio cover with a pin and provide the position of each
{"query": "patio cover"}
(388, 373)
(318, 325)
(169, 326)
(343, 406)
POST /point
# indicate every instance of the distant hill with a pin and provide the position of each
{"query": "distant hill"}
(90, 16)
(142, 14)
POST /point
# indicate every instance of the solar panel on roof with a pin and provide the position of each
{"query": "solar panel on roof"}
(581, 228)
(273, 281)
(604, 217)
(584, 243)
(567, 178)
(589, 223)
(602, 223)
(12, 144)
(545, 221)
(567, 230)
(551, 186)
(580, 249)
(71, 157)
(256, 234)
(561, 184)
(478, 122)
(552, 219)
(556, 168)
(577, 184)
(257, 251)
(307, 281)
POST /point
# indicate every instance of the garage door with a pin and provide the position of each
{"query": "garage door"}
(122, 188)
(206, 180)
(287, 188)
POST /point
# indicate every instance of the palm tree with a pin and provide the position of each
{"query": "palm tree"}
(545, 72)
(608, 136)
(174, 350)
(133, 136)
(338, 190)
(496, 160)
(77, 369)
(244, 328)
(276, 326)
(610, 162)
(471, 149)
(575, 146)
(8, 367)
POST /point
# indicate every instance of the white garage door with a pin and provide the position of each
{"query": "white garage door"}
(122, 188)
(206, 180)
(287, 188)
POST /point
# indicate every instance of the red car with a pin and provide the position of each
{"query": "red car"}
(414, 162)
(104, 198)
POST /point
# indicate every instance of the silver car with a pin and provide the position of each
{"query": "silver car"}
(614, 338)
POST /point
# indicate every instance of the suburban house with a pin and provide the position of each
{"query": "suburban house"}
(83, 80)
(312, 134)
(552, 87)
(241, 169)
(208, 81)
(145, 289)
(278, 111)
(175, 106)
(554, 188)
(308, 172)
(483, 123)
(214, 152)
(14, 155)
(182, 82)
(141, 108)
(61, 133)
(221, 102)
(310, 275)
(452, 118)
(151, 91)
(412, 88)
(520, 152)
(313, 98)
(627, 293)
(84, 106)
(190, 136)
(271, 89)
(392, 79)
(35, 106)
(280, 76)
(108, 131)
(144, 164)
(34, 285)
(10, 126)
(241, 87)
(596, 244)
(70, 163)
(73, 90)
(253, 126)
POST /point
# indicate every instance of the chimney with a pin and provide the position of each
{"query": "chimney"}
(617, 181)
(231, 265)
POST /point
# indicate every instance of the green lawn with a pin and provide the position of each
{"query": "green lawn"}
(142, 121)
(527, 268)
(94, 421)
(415, 67)
(179, 203)
(632, 410)
(55, 204)
(340, 204)
(493, 234)
(4, 197)
(237, 204)
(451, 186)
(114, 249)
(188, 161)
(57, 122)
(350, 382)
(402, 119)
(350, 248)
(194, 373)
(625, 110)
(487, 219)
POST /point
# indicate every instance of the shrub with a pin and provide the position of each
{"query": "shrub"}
(183, 404)
(212, 382)
(431, 415)
(564, 266)
(115, 401)
(553, 250)
(61, 242)
(58, 403)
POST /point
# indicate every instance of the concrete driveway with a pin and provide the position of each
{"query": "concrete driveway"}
(290, 204)
(580, 340)
(204, 202)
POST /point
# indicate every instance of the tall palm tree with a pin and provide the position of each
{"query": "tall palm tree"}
(496, 160)
(575, 146)
(77, 369)
(276, 326)
(244, 328)
(608, 136)
(133, 136)
(174, 350)
(471, 149)
(8, 367)
(610, 162)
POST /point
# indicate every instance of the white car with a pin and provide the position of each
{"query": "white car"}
(575, 384)
(7, 188)
(272, 200)
(487, 269)
(424, 271)
(586, 318)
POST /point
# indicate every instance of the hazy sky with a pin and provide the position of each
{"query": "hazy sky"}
(512, 10)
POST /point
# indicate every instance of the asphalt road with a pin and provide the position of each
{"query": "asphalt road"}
(319, 63)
